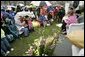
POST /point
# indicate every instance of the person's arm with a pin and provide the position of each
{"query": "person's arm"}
(11, 30)
(9, 16)
(23, 23)
(19, 23)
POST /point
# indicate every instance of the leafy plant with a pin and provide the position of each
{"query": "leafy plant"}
(44, 46)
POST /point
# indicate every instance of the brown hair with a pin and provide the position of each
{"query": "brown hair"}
(71, 12)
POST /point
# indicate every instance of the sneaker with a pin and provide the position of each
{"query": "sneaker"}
(7, 52)
(12, 49)
(64, 33)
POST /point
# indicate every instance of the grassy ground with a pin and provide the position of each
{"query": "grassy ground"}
(21, 45)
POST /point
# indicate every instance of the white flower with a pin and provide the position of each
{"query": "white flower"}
(26, 52)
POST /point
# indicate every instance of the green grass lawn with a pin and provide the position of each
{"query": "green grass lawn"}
(21, 45)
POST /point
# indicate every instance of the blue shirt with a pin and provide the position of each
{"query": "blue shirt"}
(7, 15)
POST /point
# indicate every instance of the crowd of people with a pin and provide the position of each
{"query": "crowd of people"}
(11, 29)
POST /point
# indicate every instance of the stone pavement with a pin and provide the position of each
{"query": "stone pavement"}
(63, 48)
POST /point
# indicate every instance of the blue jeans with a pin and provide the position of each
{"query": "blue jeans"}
(14, 31)
(5, 44)
(10, 37)
(25, 31)
(2, 52)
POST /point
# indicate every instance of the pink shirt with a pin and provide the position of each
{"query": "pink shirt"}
(71, 19)
(30, 24)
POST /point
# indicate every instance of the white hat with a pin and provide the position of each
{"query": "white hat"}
(9, 8)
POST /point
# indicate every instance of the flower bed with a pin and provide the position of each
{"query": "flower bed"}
(42, 46)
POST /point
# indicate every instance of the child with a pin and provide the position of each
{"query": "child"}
(29, 23)
(71, 19)
(43, 14)
(22, 26)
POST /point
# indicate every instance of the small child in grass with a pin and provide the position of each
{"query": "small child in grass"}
(29, 23)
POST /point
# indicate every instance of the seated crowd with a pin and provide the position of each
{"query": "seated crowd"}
(11, 29)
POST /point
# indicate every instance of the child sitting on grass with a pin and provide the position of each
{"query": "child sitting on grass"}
(29, 23)
(22, 26)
